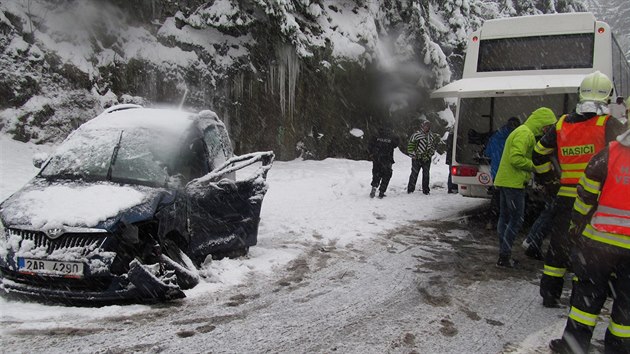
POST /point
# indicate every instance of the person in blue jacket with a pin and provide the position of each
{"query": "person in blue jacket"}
(493, 151)
(494, 148)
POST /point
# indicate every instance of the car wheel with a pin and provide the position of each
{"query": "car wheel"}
(235, 253)
(175, 259)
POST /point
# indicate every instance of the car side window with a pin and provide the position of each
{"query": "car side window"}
(198, 164)
(192, 162)
(219, 148)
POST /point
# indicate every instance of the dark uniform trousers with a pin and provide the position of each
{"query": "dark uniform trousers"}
(559, 251)
(594, 264)
(416, 166)
(381, 174)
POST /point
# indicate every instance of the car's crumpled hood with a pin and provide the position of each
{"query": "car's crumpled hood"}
(43, 204)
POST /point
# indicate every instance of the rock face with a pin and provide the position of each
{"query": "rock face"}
(309, 78)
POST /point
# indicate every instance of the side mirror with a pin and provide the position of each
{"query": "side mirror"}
(39, 159)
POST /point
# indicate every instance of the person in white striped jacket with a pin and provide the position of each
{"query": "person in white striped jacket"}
(421, 147)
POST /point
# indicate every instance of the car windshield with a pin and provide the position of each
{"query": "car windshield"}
(130, 156)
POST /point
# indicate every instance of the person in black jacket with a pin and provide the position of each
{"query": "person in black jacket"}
(381, 152)
(577, 137)
(601, 258)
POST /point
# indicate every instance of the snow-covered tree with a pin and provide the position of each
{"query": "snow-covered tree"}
(289, 65)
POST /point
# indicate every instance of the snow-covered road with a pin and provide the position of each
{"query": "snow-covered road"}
(334, 271)
(428, 287)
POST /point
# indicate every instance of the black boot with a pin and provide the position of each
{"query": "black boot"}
(507, 262)
(534, 253)
(560, 346)
(551, 302)
(566, 345)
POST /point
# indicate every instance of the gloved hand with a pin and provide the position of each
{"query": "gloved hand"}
(573, 229)
(575, 232)
(539, 189)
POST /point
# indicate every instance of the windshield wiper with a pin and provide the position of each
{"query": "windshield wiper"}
(112, 161)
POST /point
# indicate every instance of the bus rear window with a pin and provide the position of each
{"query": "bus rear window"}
(567, 51)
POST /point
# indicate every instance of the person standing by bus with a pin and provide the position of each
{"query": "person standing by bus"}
(602, 211)
(515, 171)
(576, 138)
(421, 147)
(494, 151)
(494, 147)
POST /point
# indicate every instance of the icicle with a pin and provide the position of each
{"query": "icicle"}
(282, 69)
(293, 70)
(237, 87)
(288, 72)
(272, 79)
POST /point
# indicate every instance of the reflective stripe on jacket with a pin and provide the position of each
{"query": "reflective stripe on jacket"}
(577, 143)
(613, 211)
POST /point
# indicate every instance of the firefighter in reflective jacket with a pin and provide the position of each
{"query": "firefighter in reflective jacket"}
(602, 253)
(577, 138)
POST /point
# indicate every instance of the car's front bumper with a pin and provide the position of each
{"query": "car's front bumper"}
(140, 285)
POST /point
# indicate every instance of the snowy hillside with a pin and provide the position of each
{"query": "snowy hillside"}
(295, 77)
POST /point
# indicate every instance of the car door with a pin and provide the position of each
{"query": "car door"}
(224, 213)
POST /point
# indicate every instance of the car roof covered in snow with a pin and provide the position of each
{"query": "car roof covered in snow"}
(172, 121)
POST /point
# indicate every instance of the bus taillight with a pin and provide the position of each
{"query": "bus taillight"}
(464, 171)
(475, 39)
(601, 30)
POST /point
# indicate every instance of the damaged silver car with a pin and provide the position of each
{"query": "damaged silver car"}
(128, 207)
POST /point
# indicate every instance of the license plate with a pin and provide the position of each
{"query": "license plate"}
(54, 268)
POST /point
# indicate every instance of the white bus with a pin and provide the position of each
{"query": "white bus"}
(514, 66)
